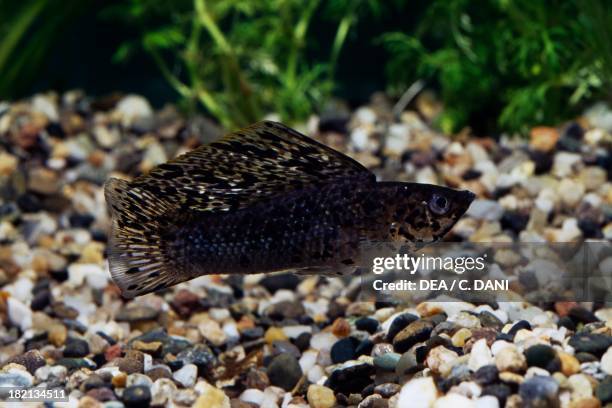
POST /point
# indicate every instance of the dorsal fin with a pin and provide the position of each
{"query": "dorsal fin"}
(252, 164)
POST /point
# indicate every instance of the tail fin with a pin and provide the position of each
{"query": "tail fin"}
(138, 258)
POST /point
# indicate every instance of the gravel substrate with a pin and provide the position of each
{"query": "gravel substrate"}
(283, 341)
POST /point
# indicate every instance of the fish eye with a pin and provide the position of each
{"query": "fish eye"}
(439, 204)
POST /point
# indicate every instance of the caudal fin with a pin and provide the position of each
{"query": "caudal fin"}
(138, 257)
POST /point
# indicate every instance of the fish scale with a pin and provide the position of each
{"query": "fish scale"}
(288, 202)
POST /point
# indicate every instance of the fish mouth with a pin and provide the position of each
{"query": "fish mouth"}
(468, 196)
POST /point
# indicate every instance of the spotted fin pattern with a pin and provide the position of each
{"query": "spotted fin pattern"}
(261, 161)
(247, 166)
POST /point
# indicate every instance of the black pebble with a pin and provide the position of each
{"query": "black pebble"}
(29, 203)
(543, 161)
(592, 343)
(521, 324)
(542, 356)
(581, 315)
(283, 281)
(505, 336)
(302, 341)
(586, 357)
(252, 333)
(284, 371)
(471, 174)
(566, 322)
(540, 391)
(78, 220)
(343, 350)
(364, 348)
(137, 396)
(41, 300)
(590, 228)
(368, 324)
(514, 221)
(604, 390)
(399, 323)
(76, 348)
(499, 391)
(284, 346)
(350, 380)
(486, 375)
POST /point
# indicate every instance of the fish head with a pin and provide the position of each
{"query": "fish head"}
(424, 213)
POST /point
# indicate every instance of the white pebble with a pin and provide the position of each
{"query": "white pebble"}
(323, 341)
(186, 376)
(315, 374)
(606, 361)
(365, 115)
(294, 331)
(418, 393)
(480, 355)
(19, 314)
(488, 401)
(252, 395)
(489, 210)
(454, 401)
(308, 360)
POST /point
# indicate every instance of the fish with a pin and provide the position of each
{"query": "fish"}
(262, 199)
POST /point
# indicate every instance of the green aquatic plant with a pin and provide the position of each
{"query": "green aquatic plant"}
(519, 62)
(241, 59)
(27, 31)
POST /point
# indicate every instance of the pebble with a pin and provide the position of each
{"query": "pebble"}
(186, 376)
(407, 364)
(323, 341)
(418, 393)
(453, 401)
(539, 391)
(350, 377)
(343, 350)
(480, 355)
(19, 314)
(441, 360)
(590, 343)
(542, 356)
(320, 397)
(134, 109)
(137, 314)
(500, 391)
(487, 210)
(76, 348)
(510, 359)
(32, 360)
(487, 374)
(211, 397)
(414, 333)
(274, 334)
(136, 396)
(604, 390)
(387, 361)
(284, 371)
(14, 377)
(367, 324)
(253, 396)
(569, 364)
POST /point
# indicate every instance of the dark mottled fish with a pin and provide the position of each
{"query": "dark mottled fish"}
(262, 199)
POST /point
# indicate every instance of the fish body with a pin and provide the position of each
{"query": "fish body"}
(294, 204)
